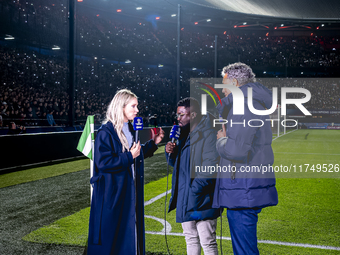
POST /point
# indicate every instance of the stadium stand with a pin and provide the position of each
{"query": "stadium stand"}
(113, 54)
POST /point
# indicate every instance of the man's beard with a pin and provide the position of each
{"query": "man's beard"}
(185, 130)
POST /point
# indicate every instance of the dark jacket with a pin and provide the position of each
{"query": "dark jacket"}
(112, 216)
(16, 131)
(246, 146)
(192, 192)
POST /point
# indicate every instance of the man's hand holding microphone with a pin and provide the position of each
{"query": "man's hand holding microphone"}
(174, 135)
(170, 147)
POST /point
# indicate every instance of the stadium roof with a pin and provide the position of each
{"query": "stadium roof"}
(287, 9)
(284, 9)
(258, 14)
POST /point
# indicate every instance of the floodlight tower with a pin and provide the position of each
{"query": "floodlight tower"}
(72, 10)
(178, 52)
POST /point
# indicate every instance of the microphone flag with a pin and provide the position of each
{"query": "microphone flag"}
(138, 123)
(175, 132)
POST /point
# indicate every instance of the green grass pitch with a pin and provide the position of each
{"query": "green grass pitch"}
(308, 210)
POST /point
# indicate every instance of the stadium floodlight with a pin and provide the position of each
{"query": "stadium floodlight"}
(139, 8)
(173, 15)
(127, 61)
(9, 37)
(55, 47)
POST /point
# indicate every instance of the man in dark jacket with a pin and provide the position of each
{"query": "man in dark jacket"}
(192, 186)
(243, 147)
(14, 130)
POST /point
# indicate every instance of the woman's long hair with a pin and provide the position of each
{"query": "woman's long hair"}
(115, 113)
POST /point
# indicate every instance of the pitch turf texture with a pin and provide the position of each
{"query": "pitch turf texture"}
(45, 210)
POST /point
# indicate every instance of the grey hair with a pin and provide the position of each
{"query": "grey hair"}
(239, 71)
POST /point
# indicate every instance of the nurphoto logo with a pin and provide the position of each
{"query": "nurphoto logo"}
(238, 105)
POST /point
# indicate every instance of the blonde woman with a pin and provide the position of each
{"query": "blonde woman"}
(117, 217)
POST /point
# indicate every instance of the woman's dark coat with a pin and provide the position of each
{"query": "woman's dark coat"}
(112, 216)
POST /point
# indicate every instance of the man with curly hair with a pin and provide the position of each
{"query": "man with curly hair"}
(239, 145)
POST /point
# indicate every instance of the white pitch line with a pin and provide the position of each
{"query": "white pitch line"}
(303, 245)
(168, 226)
(307, 153)
(162, 233)
(156, 198)
(284, 134)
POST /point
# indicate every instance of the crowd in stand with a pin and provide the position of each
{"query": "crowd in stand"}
(325, 92)
(45, 23)
(34, 86)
